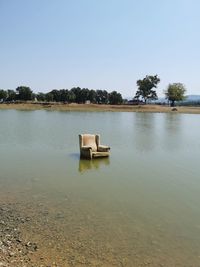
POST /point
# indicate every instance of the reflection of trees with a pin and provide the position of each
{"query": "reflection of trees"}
(24, 127)
(144, 131)
(85, 164)
(172, 131)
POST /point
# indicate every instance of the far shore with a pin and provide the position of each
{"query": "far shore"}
(97, 107)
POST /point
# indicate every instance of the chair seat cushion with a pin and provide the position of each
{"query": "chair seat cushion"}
(100, 154)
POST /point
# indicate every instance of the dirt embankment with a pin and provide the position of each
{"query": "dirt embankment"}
(96, 107)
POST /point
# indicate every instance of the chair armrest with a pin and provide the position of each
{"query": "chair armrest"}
(103, 148)
(86, 148)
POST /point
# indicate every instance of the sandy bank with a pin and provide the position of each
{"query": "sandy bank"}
(96, 107)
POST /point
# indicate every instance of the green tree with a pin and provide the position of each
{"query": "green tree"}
(145, 88)
(12, 96)
(77, 93)
(49, 97)
(56, 95)
(41, 96)
(3, 94)
(72, 96)
(64, 95)
(115, 98)
(175, 92)
(102, 97)
(92, 96)
(24, 93)
(84, 95)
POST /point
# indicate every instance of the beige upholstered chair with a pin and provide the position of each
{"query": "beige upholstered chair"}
(90, 146)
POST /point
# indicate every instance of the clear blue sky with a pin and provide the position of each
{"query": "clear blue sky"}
(99, 44)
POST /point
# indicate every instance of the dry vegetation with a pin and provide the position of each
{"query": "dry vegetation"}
(96, 107)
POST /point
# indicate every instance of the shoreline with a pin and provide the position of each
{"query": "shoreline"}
(99, 107)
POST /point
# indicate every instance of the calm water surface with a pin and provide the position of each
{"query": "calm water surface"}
(139, 207)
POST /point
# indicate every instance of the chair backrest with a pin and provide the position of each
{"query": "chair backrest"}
(89, 140)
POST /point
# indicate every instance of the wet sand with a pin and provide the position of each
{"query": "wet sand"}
(95, 107)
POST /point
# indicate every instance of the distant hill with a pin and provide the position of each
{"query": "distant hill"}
(192, 98)
(189, 98)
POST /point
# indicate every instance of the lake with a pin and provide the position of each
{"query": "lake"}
(139, 207)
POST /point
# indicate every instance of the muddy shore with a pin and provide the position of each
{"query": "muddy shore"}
(33, 233)
(14, 249)
(95, 107)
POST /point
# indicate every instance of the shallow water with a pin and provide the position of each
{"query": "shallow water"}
(139, 207)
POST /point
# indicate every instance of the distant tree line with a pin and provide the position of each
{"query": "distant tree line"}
(74, 95)
(145, 92)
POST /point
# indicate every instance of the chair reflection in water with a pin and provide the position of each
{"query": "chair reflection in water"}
(90, 146)
(85, 165)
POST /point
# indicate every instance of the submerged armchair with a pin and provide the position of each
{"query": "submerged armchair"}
(90, 146)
